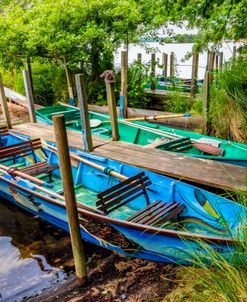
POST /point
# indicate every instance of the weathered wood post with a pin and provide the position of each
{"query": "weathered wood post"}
(85, 123)
(211, 66)
(221, 61)
(164, 63)
(172, 65)
(234, 53)
(194, 74)
(69, 82)
(109, 77)
(153, 63)
(29, 96)
(139, 57)
(124, 84)
(29, 69)
(217, 61)
(70, 199)
(4, 104)
(206, 100)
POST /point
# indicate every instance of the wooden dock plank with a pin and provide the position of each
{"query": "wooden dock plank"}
(201, 171)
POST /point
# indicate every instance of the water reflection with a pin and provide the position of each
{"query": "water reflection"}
(24, 246)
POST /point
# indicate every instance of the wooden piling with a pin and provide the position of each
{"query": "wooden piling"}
(211, 66)
(124, 82)
(221, 61)
(4, 105)
(70, 199)
(29, 96)
(69, 81)
(139, 57)
(85, 123)
(153, 63)
(109, 78)
(216, 61)
(172, 65)
(194, 74)
(234, 53)
(29, 69)
(206, 99)
(164, 64)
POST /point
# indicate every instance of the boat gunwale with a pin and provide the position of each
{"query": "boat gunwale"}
(145, 228)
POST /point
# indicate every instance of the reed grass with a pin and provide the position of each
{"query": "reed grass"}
(228, 101)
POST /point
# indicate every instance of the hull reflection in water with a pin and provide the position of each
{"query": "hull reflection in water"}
(23, 271)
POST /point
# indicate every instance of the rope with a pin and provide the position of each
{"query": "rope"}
(11, 171)
(107, 170)
(108, 76)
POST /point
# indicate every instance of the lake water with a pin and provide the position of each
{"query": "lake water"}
(24, 244)
(183, 68)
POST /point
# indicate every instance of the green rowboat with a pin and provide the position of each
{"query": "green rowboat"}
(153, 136)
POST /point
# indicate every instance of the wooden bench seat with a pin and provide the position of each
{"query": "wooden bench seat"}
(20, 149)
(176, 145)
(40, 168)
(122, 193)
(157, 213)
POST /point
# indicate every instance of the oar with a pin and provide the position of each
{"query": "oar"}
(16, 172)
(52, 194)
(156, 117)
(196, 143)
(89, 163)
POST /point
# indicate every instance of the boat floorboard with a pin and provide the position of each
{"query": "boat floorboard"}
(201, 171)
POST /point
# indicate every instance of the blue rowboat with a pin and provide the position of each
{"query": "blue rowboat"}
(143, 215)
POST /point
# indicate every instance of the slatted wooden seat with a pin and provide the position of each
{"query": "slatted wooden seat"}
(40, 168)
(176, 145)
(21, 149)
(70, 116)
(122, 193)
(157, 213)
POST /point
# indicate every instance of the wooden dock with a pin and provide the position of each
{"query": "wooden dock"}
(200, 171)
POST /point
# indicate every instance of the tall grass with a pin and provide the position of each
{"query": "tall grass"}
(228, 101)
(215, 276)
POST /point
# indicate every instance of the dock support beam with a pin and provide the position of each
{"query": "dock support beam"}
(206, 99)
(164, 64)
(109, 78)
(70, 199)
(172, 65)
(139, 57)
(29, 96)
(85, 123)
(194, 74)
(124, 84)
(4, 105)
(153, 63)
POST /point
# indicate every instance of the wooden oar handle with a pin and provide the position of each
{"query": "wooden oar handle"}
(156, 117)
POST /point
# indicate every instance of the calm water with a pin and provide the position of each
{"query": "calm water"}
(25, 244)
(184, 68)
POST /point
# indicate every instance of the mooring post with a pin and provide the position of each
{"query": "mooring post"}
(69, 82)
(139, 57)
(153, 63)
(4, 104)
(109, 78)
(124, 84)
(211, 66)
(234, 53)
(206, 100)
(172, 66)
(194, 74)
(164, 64)
(221, 61)
(29, 96)
(70, 199)
(85, 123)
(29, 69)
